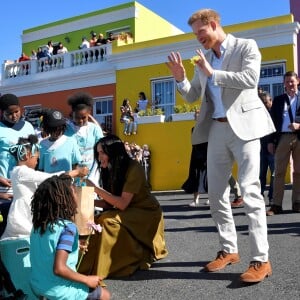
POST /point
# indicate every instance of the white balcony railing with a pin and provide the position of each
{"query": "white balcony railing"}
(59, 61)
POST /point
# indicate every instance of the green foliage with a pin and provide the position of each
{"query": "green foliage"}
(150, 112)
(185, 108)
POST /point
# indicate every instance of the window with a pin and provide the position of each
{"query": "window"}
(117, 31)
(271, 78)
(272, 70)
(102, 112)
(163, 95)
(278, 89)
(32, 114)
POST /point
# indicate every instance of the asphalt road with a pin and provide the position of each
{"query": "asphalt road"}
(192, 241)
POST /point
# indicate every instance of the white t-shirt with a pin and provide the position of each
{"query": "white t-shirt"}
(143, 104)
(24, 181)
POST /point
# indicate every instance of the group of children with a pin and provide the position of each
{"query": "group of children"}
(37, 174)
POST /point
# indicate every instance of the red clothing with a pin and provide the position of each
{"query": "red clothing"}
(24, 58)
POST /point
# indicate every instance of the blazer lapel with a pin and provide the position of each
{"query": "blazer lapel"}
(228, 52)
(202, 77)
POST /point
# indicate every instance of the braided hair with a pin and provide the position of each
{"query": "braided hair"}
(53, 201)
(24, 146)
(51, 130)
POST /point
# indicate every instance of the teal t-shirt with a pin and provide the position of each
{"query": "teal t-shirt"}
(86, 137)
(9, 136)
(42, 254)
(59, 155)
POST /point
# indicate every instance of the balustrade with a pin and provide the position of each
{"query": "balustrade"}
(11, 69)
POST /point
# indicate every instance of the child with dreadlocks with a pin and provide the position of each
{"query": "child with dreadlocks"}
(25, 179)
(55, 236)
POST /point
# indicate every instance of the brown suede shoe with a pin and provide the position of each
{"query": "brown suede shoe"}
(237, 202)
(274, 210)
(222, 260)
(257, 272)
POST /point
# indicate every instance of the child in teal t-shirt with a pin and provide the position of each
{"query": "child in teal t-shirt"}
(58, 152)
(54, 245)
(83, 127)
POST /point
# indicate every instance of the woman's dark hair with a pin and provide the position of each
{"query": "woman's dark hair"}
(142, 94)
(53, 201)
(80, 101)
(24, 146)
(113, 177)
(125, 102)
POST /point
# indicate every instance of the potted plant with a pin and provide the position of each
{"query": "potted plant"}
(184, 112)
(150, 116)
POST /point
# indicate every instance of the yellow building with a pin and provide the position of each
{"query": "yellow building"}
(139, 65)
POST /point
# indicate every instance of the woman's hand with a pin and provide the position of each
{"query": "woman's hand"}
(119, 202)
(90, 183)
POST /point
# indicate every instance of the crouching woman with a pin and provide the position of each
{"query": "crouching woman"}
(132, 223)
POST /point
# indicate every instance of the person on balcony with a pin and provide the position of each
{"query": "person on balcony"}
(127, 117)
(33, 55)
(101, 41)
(25, 67)
(93, 43)
(48, 52)
(49, 49)
(23, 57)
(84, 44)
(61, 48)
(40, 53)
(110, 38)
(93, 39)
(142, 103)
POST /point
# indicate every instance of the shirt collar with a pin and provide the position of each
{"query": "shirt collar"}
(223, 47)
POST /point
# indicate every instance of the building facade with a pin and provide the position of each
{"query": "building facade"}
(135, 65)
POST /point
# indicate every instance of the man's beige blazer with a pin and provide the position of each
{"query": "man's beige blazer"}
(238, 80)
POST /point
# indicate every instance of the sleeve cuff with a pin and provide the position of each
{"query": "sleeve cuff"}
(181, 84)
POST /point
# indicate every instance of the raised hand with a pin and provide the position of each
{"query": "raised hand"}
(176, 67)
(203, 64)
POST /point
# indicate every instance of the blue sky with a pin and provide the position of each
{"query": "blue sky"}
(19, 15)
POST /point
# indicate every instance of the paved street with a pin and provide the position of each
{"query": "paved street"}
(192, 241)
